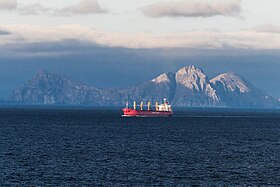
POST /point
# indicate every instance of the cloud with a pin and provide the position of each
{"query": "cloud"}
(205, 39)
(4, 32)
(8, 4)
(34, 9)
(268, 29)
(82, 8)
(199, 8)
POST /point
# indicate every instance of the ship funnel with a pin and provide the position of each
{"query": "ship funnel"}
(134, 105)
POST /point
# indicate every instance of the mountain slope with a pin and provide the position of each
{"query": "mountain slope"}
(194, 89)
(48, 88)
(235, 91)
(161, 87)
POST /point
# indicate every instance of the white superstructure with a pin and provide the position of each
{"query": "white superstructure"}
(165, 106)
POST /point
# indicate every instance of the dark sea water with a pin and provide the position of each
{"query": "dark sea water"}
(90, 147)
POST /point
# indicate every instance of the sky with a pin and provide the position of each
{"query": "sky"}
(118, 43)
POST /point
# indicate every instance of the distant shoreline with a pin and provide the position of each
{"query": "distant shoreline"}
(192, 108)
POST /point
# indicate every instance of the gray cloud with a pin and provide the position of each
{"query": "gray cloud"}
(200, 8)
(4, 32)
(268, 29)
(8, 4)
(33, 9)
(83, 7)
(243, 39)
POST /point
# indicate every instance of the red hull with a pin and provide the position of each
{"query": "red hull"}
(145, 113)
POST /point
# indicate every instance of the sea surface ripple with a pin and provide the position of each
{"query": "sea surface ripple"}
(90, 147)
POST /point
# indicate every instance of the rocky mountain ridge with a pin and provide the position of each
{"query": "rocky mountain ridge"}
(189, 86)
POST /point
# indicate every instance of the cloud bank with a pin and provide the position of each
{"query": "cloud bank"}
(8, 4)
(199, 8)
(244, 39)
(269, 29)
(84, 7)
(4, 32)
(33, 9)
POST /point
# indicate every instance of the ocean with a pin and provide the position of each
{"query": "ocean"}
(97, 147)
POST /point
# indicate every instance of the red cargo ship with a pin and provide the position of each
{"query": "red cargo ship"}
(162, 110)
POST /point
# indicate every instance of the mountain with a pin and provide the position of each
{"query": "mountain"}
(235, 91)
(49, 88)
(163, 86)
(189, 86)
(194, 89)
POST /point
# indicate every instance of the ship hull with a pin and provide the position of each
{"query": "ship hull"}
(127, 112)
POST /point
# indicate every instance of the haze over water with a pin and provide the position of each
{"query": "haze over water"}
(76, 147)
